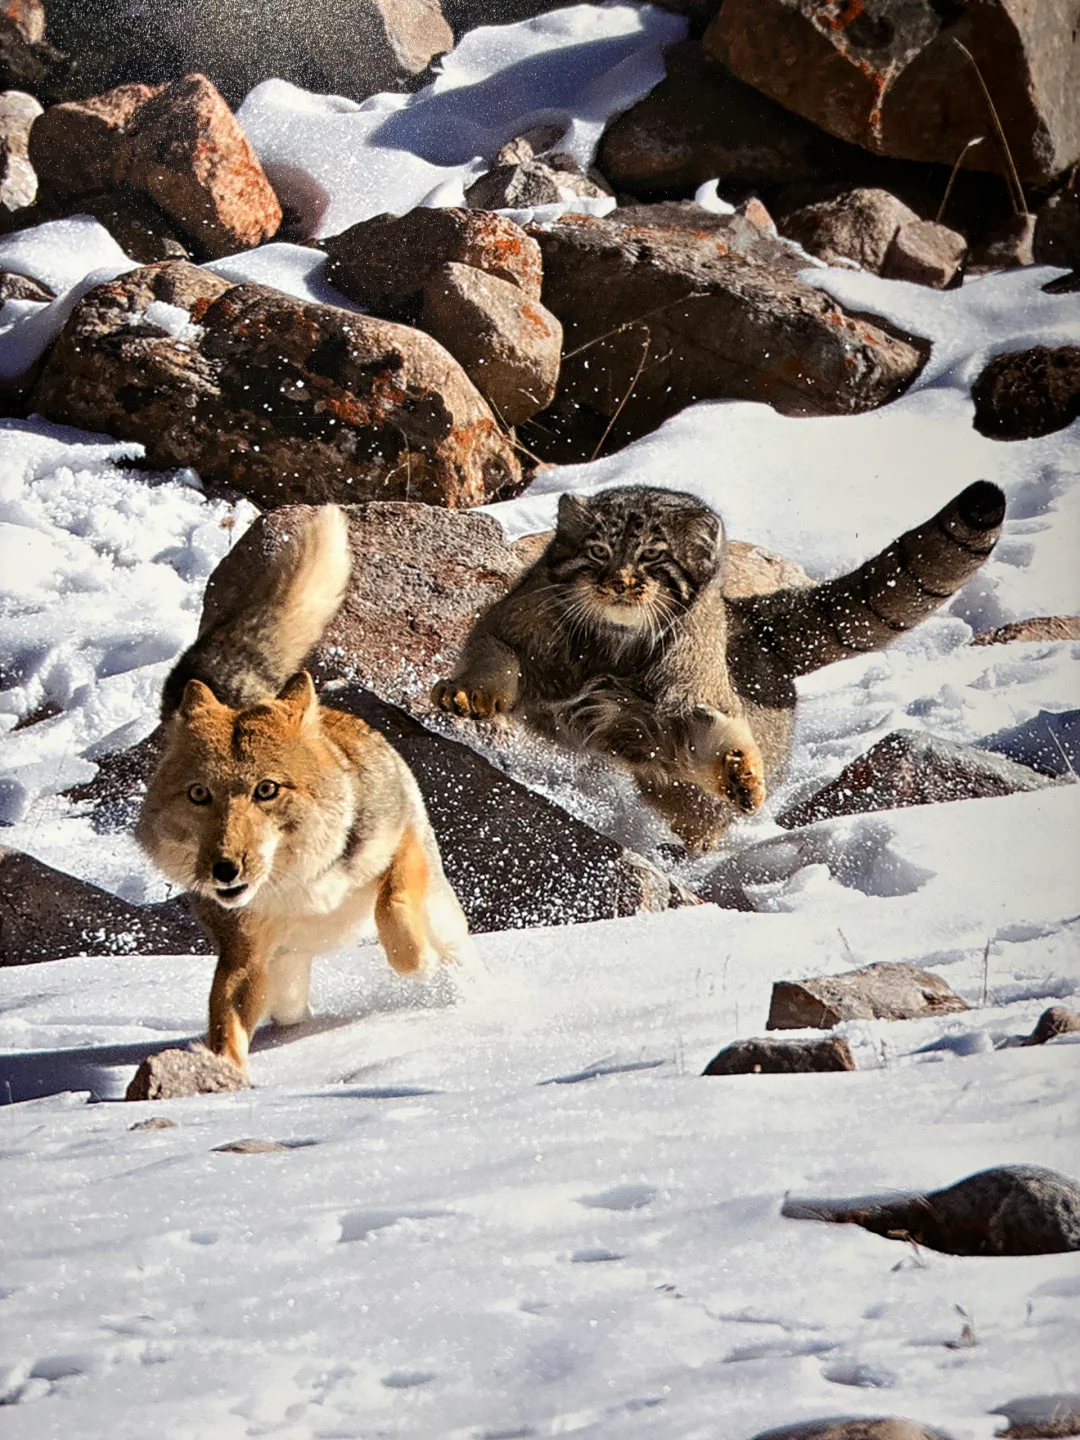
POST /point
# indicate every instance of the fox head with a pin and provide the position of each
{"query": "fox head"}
(245, 799)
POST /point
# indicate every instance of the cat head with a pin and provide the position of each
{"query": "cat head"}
(635, 556)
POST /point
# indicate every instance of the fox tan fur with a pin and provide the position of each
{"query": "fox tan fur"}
(291, 825)
(620, 640)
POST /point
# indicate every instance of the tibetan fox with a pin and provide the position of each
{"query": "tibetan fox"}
(290, 824)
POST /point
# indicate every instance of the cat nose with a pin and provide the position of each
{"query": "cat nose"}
(623, 580)
(225, 871)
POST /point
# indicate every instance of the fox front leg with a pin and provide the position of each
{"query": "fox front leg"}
(238, 994)
(487, 683)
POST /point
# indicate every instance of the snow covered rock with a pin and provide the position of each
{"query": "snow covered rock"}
(282, 399)
(894, 81)
(1026, 393)
(1009, 1210)
(1058, 1020)
(20, 287)
(909, 767)
(18, 183)
(886, 991)
(782, 1057)
(702, 121)
(924, 253)
(859, 225)
(173, 1074)
(1040, 1417)
(384, 263)
(45, 915)
(714, 312)
(885, 1428)
(509, 346)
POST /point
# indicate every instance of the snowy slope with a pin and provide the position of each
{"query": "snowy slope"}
(455, 1245)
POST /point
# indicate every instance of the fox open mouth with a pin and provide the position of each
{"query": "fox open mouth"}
(230, 894)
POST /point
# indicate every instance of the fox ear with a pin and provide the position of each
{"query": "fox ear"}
(298, 693)
(197, 699)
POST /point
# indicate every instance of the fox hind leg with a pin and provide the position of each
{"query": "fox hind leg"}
(288, 988)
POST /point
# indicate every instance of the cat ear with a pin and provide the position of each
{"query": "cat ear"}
(574, 515)
(703, 543)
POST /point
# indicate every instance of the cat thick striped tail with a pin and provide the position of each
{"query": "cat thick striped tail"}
(867, 609)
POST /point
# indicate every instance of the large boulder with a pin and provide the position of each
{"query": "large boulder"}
(887, 75)
(1026, 393)
(282, 399)
(73, 146)
(858, 225)
(782, 1057)
(672, 314)
(910, 768)
(174, 1074)
(885, 991)
(925, 253)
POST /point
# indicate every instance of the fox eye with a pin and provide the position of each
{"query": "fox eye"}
(266, 789)
(598, 551)
(198, 795)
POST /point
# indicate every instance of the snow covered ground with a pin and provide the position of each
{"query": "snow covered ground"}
(513, 1207)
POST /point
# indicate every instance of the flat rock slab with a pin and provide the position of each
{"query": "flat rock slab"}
(885, 991)
(279, 398)
(173, 1074)
(911, 768)
(47, 915)
(782, 1057)
(844, 1428)
(1040, 1417)
(1009, 1210)
(1027, 393)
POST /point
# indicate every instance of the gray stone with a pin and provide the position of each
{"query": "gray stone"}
(910, 768)
(508, 345)
(885, 991)
(1053, 1022)
(47, 915)
(1026, 393)
(782, 1057)
(925, 253)
(525, 183)
(845, 1428)
(859, 226)
(172, 1074)
(1009, 1210)
(21, 287)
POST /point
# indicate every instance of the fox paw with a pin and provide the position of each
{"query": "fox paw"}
(476, 702)
(743, 780)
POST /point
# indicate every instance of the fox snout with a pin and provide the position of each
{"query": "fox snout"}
(230, 886)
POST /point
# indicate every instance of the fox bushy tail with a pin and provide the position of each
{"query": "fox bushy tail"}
(867, 609)
(246, 655)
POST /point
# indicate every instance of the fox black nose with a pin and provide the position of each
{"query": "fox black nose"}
(226, 871)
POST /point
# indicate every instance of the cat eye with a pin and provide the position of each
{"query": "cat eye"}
(598, 551)
(266, 789)
(652, 552)
(198, 795)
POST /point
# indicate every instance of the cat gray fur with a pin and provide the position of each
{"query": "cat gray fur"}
(620, 640)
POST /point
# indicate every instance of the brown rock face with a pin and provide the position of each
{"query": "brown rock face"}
(1025, 393)
(1042, 627)
(1056, 1021)
(384, 263)
(21, 287)
(74, 146)
(885, 991)
(46, 915)
(185, 149)
(284, 400)
(173, 1074)
(27, 60)
(782, 1057)
(718, 313)
(925, 253)
(885, 74)
(509, 345)
(884, 1428)
(858, 226)
(910, 768)
(1057, 230)
(18, 183)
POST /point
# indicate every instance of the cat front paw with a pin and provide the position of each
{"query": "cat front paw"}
(743, 779)
(474, 702)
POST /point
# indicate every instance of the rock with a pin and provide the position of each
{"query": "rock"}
(384, 263)
(249, 1147)
(1057, 230)
(509, 345)
(701, 122)
(157, 1122)
(782, 1057)
(1041, 627)
(46, 915)
(185, 149)
(910, 768)
(1063, 284)
(885, 991)
(925, 253)
(754, 211)
(859, 225)
(525, 183)
(1049, 742)
(74, 146)
(18, 183)
(141, 228)
(279, 398)
(844, 1428)
(27, 60)
(172, 1074)
(21, 287)
(891, 79)
(1009, 1210)
(672, 316)
(1007, 246)
(1026, 393)
(1040, 1417)
(1053, 1022)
